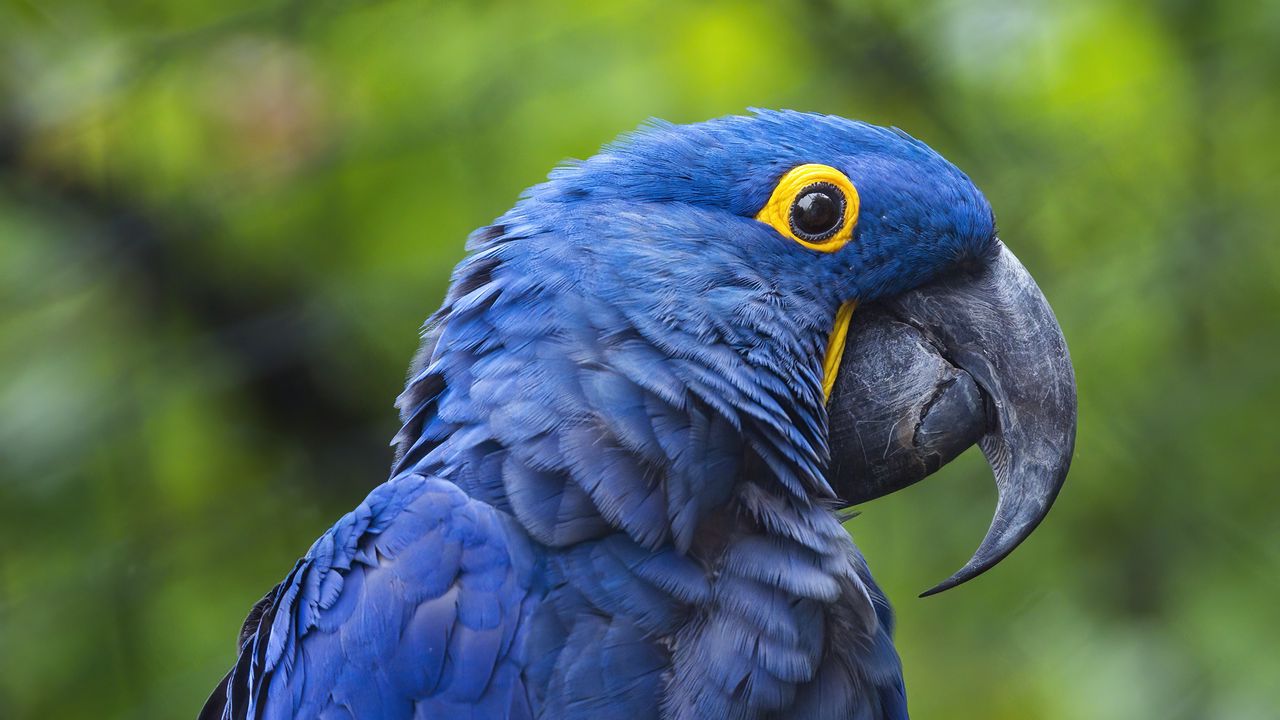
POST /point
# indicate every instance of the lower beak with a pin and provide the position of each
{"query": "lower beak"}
(975, 357)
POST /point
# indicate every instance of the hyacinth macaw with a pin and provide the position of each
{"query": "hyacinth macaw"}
(633, 421)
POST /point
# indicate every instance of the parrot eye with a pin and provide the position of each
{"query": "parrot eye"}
(818, 212)
(814, 205)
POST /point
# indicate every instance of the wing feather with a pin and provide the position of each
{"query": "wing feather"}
(409, 606)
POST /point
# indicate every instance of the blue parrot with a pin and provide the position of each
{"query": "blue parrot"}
(631, 427)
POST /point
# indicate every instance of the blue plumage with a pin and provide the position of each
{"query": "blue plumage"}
(609, 498)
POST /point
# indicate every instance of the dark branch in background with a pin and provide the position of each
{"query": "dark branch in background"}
(277, 351)
(861, 36)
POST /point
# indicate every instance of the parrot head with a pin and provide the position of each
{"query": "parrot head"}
(836, 286)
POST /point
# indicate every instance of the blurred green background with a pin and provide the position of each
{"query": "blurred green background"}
(222, 222)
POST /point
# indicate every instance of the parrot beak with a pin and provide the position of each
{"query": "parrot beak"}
(974, 357)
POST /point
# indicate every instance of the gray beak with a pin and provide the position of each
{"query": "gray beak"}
(975, 357)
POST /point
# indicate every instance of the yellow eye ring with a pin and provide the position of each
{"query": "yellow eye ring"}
(815, 205)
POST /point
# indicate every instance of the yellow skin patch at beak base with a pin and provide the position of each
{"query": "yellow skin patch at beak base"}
(835, 347)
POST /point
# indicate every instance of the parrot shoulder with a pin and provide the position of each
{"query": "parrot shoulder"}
(410, 605)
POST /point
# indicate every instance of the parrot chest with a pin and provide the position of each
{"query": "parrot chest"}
(751, 629)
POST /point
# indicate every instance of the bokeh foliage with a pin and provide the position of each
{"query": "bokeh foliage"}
(221, 222)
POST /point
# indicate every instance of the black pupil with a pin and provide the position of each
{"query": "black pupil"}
(817, 212)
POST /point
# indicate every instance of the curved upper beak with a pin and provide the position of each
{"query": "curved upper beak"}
(975, 357)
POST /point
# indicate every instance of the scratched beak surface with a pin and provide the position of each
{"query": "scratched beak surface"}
(975, 357)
